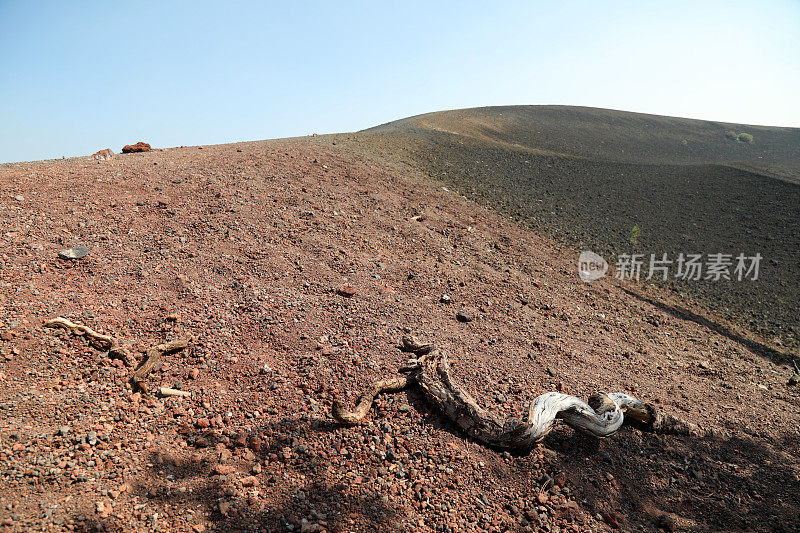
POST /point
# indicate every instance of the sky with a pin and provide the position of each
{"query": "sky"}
(76, 77)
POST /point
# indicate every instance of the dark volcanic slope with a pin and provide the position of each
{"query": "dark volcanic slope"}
(588, 176)
(610, 135)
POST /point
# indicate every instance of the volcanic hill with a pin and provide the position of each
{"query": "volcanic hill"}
(295, 266)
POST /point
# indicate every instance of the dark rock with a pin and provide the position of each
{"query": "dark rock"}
(667, 523)
(464, 316)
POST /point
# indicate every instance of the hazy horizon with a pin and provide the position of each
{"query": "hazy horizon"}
(77, 79)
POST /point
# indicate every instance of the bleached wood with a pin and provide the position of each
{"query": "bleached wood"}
(601, 416)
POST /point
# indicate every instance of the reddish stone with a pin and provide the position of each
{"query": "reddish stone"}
(240, 439)
(224, 470)
(612, 519)
(138, 147)
(255, 444)
(348, 291)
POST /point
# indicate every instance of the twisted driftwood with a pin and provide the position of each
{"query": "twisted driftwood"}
(601, 416)
(116, 351)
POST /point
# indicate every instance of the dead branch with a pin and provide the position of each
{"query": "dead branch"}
(602, 415)
(153, 358)
(101, 342)
(115, 350)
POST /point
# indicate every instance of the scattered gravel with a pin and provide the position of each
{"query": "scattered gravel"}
(234, 260)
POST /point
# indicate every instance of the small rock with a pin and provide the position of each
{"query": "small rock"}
(464, 316)
(256, 468)
(224, 470)
(348, 291)
(310, 527)
(76, 252)
(103, 155)
(667, 523)
(19, 198)
(255, 443)
(63, 431)
(6, 336)
(445, 299)
(138, 147)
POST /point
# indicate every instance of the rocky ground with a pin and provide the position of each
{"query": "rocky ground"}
(586, 177)
(295, 266)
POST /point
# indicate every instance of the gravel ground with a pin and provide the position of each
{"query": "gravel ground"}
(246, 248)
(586, 177)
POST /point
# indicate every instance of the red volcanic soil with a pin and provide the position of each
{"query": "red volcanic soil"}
(296, 266)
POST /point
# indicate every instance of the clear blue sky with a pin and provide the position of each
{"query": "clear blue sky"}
(79, 76)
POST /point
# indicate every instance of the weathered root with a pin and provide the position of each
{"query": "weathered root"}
(602, 416)
(153, 358)
(99, 341)
(364, 402)
(116, 351)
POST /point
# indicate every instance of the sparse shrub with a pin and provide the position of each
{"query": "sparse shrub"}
(741, 137)
(633, 236)
(684, 143)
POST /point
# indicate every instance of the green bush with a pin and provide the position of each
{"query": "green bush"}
(741, 137)
(633, 236)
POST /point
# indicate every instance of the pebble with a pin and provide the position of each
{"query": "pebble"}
(464, 316)
(348, 291)
(76, 252)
